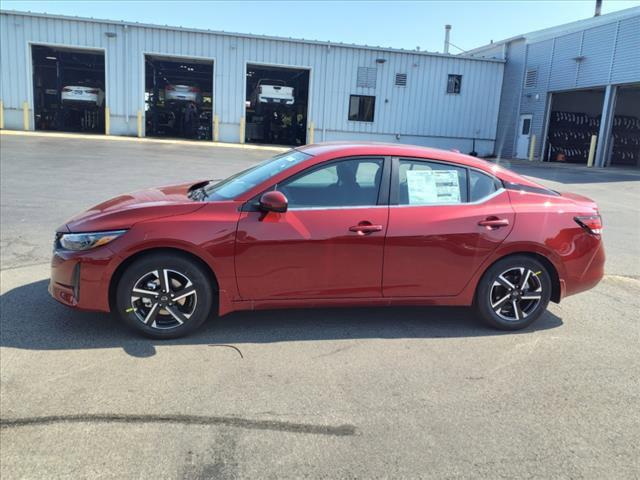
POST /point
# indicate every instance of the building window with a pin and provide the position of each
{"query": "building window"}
(366, 77)
(361, 108)
(401, 79)
(454, 83)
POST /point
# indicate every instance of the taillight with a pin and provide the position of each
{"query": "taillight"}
(195, 89)
(65, 89)
(592, 223)
(93, 92)
(170, 87)
(260, 90)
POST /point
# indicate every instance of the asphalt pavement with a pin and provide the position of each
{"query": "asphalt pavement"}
(326, 393)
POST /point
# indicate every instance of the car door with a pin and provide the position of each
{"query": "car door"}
(330, 241)
(444, 221)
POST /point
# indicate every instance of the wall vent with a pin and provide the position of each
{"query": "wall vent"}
(367, 77)
(401, 79)
(531, 78)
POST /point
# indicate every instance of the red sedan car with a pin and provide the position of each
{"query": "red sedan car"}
(332, 225)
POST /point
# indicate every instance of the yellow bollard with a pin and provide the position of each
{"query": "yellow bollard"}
(242, 129)
(311, 131)
(592, 150)
(532, 147)
(107, 121)
(216, 127)
(25, 115)
(139, 124)
(1, 115)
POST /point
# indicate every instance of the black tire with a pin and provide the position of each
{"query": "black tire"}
(495, 298)
(171, 317)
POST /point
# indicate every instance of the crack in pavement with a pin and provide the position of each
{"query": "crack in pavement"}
(275, 425)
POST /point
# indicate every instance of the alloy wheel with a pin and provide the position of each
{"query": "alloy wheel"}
(516, 293)
(163, 299)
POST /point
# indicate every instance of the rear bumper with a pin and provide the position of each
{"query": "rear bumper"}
(281, 101)
(70, 99)
(81, 279)
(585, 271)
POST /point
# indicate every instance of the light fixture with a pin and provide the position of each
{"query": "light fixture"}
(51, 58)
(380, 60)
(110, 34)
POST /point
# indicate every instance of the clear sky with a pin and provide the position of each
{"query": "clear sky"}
(400, 24)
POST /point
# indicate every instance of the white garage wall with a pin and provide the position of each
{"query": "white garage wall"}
(422, 111)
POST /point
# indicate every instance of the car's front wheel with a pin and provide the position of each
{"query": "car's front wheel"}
(164, 295)
(513, 292)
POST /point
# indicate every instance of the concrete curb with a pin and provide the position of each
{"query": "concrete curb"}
(115, 138)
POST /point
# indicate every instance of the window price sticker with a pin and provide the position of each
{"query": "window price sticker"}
(433, 186)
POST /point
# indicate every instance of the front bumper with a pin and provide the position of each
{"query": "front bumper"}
(81, 279)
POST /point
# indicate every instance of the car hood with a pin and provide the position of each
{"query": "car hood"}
(124, 211)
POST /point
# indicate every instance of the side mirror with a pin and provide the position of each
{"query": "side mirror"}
(274, 201)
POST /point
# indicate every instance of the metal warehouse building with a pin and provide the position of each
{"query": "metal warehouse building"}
(75, 74)
(565, 85)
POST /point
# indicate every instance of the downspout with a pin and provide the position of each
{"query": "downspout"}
(324, 100)
(126, 77)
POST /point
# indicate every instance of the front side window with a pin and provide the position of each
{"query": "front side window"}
(454, 83)
(361, 108)
(346, 183)
(247, 179)
(431, 183)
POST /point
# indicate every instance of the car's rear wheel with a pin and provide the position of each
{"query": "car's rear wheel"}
(513, 292)
(164, 295)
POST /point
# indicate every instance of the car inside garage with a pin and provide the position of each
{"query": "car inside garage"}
(178, 97)
(625, 151)
(574, 118)
(68, 89)
(276, 105)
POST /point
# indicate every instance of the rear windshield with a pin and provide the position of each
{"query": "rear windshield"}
(247, 179)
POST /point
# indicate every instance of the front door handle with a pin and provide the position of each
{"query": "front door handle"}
(494, 222)
(365, 228)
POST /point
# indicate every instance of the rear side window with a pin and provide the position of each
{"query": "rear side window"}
(481, 185)
(431, 183)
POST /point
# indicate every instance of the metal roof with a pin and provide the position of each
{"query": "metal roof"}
(240, 35)
(563, 29)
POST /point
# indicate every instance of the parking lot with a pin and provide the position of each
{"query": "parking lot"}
(328, 393)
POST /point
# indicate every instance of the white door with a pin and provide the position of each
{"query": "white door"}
(524, 134)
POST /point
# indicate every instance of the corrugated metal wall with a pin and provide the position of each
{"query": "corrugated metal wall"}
(510, 98)
(607, 54)
(421, 109)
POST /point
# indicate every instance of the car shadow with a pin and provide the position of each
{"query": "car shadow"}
(31, 319)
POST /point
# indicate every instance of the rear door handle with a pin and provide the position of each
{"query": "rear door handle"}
(494, 222)
(365, 228)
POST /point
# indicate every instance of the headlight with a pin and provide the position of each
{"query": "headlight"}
(85, 241)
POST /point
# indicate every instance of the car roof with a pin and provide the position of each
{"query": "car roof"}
(393, 150)
(335, 149)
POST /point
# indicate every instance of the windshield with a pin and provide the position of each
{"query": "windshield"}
(247, 179)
